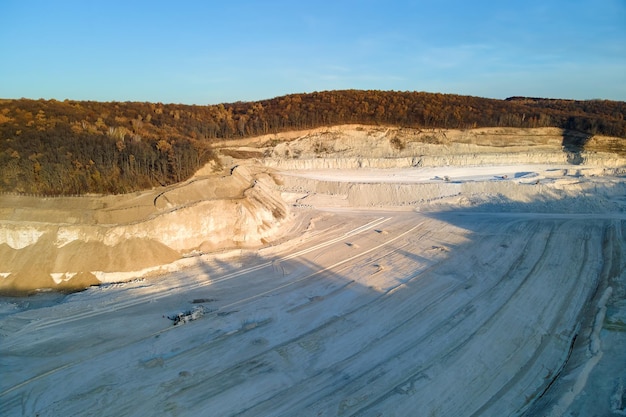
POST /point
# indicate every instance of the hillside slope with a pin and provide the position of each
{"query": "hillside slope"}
(73, 242)
(69, 243)
(76, 147)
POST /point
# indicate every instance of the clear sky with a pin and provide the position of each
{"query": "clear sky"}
(208, 52)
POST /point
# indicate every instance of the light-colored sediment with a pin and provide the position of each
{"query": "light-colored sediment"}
(378, 271)
(51, 242)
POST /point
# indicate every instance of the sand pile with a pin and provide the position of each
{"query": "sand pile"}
(55, 243)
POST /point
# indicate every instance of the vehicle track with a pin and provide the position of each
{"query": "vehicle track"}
(346, 319)
(158, 293)
(34, 327)
(334, 389)
(384, 325)
(495, 316)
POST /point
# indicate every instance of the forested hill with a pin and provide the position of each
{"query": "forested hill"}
(74, 147)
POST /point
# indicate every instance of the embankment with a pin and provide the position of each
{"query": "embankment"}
(71, 243)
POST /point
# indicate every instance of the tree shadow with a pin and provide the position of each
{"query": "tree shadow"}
(573, 144)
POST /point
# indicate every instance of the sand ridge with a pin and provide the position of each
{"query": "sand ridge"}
(131, 233)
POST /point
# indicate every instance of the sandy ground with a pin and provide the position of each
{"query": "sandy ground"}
(467, 311)
(452, 289)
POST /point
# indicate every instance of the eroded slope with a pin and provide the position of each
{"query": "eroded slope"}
(73, 242)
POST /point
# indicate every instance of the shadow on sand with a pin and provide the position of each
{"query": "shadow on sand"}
(573, 145)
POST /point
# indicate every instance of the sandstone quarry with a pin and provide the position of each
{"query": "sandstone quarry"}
(69, 243)
(341, 271)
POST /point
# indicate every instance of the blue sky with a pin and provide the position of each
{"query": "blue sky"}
(208, 52)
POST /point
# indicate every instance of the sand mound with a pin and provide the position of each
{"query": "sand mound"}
(71, 243)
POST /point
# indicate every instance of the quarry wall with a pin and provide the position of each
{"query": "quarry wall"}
(73, 242)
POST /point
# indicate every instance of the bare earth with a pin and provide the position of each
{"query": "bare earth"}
(347, 280)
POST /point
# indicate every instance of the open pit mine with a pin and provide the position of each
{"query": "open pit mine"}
(344, 271)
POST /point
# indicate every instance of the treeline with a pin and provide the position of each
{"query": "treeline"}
(68, 148)
(74, 147)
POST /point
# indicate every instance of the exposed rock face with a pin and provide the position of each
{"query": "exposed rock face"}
(70, 243)
(367, 147)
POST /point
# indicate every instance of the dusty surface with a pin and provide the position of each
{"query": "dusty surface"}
(388, 287)
(65, 243)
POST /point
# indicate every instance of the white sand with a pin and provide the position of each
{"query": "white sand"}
(474, 305)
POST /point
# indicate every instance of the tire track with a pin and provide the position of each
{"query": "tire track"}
(445, 326)
(328, 389)
(527, 367)
(158, 293)
(144, 298)
(509, 303)
(334, 386)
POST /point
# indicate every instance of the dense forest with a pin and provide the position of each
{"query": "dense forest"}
(74, 147)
